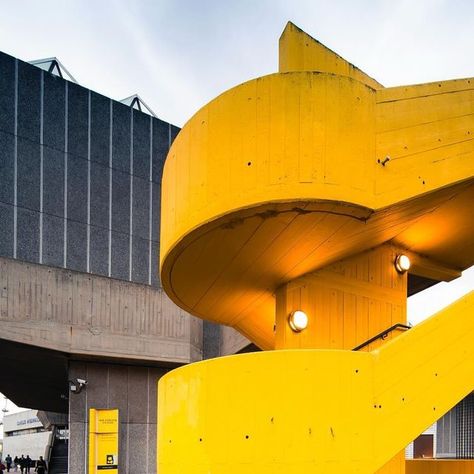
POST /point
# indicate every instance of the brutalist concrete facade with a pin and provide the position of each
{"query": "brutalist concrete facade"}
(80, 197)
(80, 176)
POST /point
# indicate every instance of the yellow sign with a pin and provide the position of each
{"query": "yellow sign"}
(103, 441)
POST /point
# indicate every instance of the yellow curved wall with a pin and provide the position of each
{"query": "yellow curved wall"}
(279, 138)
(296, 191)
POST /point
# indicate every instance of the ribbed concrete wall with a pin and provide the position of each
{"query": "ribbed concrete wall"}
(86, 314)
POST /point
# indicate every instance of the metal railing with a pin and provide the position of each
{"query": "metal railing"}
(382, 335)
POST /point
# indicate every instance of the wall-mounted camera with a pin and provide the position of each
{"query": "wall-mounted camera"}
(76, 385)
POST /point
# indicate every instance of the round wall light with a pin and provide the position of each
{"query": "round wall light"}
(402, 263)
(298, 320)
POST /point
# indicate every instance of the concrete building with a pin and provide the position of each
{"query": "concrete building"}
(80, 188)
(24, 434)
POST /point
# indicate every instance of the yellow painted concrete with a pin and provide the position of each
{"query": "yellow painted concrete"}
(300, 52)
(260, 178)
(296, 191)
(322, 411)
(440, 466)
(347, 303)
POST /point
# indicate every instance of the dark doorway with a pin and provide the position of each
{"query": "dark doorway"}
(423, 446)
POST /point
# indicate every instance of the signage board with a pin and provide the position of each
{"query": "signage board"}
(103, 441)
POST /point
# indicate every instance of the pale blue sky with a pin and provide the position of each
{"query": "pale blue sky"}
(179, 54)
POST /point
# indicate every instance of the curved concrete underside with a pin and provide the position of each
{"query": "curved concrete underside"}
(239, 260)
(289, 172)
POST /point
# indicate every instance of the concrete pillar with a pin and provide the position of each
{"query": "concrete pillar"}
(131, 389)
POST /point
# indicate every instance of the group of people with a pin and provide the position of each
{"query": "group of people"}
(25, 464)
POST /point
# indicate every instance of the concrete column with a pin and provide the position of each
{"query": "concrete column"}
(131, 389)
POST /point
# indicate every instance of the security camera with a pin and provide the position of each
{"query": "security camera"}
(76, 385)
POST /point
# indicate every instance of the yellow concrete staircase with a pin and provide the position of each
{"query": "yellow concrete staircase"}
(298, 191)
(300, 411)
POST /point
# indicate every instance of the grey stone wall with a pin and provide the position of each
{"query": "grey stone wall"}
(80, 176)
(131, 389)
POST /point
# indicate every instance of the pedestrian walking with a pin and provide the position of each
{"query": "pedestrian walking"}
(22, 463)
(41, 467)
(8, 462)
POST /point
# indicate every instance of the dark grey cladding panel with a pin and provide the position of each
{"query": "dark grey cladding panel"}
(77, 188)
(118, 393)
(28, 174)
(100, 128)
(54, 113)
(53, 240)
(120, 202)
(152, 456)
(121, 134)
(77, 119)
(161, 137)
(78, 404)
(53, 181)
(97, 390)
(76, 246)
(155, 264)
(7, 150)
(7, 93)
(99, 250)
(140, 256)
(29, 100)
(123, 457)
(141, 144)
(6, 230)
(137, 446)
(156, 211)
(120, 255)
(28, 234)
(99, 195)
(138, 398)
(141, 208)
(77, 443)
(174, 132)
(154, 375)
(211, 340)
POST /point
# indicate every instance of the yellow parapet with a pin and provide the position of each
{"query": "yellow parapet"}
(320, 411)
(300, 52)
(288, 205)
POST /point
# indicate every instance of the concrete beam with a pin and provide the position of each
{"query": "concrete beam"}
(87, 315)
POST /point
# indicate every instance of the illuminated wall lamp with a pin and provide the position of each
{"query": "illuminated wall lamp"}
(402, 263)
(298, 320)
